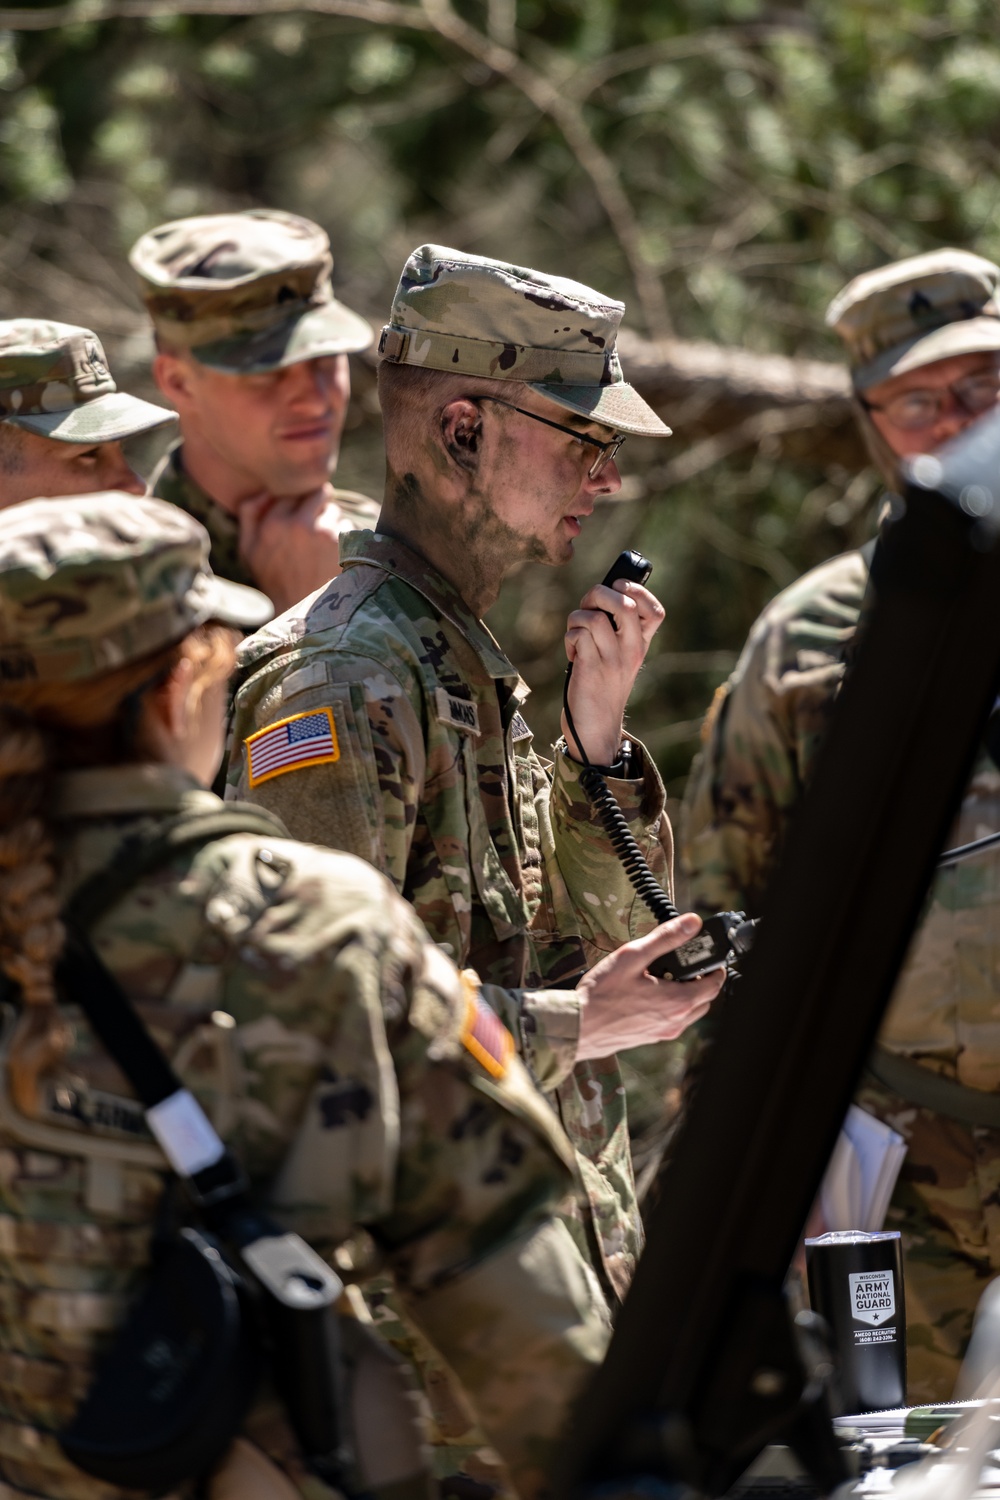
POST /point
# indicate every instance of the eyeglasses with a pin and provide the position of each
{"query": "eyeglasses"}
(915, 409)
(604, 457)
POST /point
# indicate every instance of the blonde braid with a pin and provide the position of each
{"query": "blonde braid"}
(31, 934)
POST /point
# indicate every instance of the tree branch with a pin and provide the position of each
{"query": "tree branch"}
(550, 100)
(378, 12)
(712, 41)
(675, 369)
(431, 15)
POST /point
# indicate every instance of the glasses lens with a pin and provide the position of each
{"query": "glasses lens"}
(915, 409)
(922, 408)
(607, 454)
(979, 392)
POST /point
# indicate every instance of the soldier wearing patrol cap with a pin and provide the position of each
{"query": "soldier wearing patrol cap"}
(252, 352)
(62, 418)
(504, 405)
(923, 341)
(287, 982)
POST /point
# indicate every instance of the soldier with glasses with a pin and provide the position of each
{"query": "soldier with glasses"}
(923, 342)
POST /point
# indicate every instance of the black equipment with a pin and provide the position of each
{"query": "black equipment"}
(173, 1389)
(168, 1398)
(705, 1366)
(724, 936)
(631, 566)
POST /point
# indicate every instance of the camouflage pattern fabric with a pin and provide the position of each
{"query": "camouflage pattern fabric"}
(436, 782)
(245, 292)
(171, 482)
(55, 381)
(93, 582)
(915, 311)
(459, 1449)
(762, 737)
(326, 1037)
(463, 313)
(762, 733)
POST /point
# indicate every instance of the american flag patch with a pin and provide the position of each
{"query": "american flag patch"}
(303, 740)
(485, 1035)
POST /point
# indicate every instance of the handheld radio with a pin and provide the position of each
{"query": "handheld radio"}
(724, 936)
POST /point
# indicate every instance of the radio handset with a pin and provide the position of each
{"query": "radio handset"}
(723, 936)
(629, 565)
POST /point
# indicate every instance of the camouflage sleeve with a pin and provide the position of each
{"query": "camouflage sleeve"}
(546, 1026)
(362, 799)
(539, 1296)
(742, 786)
(763, 732)
(380, 1090)
(606, 909)
(515, 1311)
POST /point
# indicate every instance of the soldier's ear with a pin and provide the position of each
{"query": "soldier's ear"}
(173, 377)
(461, 432)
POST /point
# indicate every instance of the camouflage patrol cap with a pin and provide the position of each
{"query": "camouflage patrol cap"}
(464, 313)
(55, 381)
(246, 292)
(916, 311)
(92, 582)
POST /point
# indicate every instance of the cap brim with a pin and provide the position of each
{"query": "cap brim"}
(617, 406)
(330, 329)
(970, 336)
(106, 419)
(235, 604)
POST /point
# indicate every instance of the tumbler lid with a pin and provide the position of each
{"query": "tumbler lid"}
(853, 1237)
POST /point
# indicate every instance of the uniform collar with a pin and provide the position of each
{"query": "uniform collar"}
(173, 482)
(395, 557)
(109, 791)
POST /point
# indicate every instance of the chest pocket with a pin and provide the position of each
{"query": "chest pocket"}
(498, 882)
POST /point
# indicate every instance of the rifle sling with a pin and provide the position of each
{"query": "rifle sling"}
(151, 849)
(933, 1091)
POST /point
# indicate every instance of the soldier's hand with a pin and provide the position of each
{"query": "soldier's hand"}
(606, 662)
(624, 1006)
(291, 544)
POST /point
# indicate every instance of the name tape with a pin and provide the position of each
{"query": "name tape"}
(458, 712)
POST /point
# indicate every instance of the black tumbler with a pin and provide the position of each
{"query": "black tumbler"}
(856, 1284)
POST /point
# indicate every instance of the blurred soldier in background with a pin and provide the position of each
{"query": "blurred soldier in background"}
(287, 982)
(923, 339)
(252, 352)
(62, 418)
(382, 717)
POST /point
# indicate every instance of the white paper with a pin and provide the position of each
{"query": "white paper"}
(861, 1174)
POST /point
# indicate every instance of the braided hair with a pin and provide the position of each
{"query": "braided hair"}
(45, 728)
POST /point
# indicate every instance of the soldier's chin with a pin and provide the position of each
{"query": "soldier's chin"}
(302, 478)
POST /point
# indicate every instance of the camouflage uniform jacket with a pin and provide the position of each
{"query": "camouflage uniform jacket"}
(762, 739)
(171, 482)
(437, 783)
(762, 733)
(327, 1039)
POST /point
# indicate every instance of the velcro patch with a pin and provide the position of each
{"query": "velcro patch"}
(308, 739)
(484, 1034)
(458, 712)
(518, 728)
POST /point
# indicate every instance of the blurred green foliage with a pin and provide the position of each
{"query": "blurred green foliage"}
(761, 155)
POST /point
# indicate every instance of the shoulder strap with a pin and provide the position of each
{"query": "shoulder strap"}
(148, 850)
(933, 1091)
